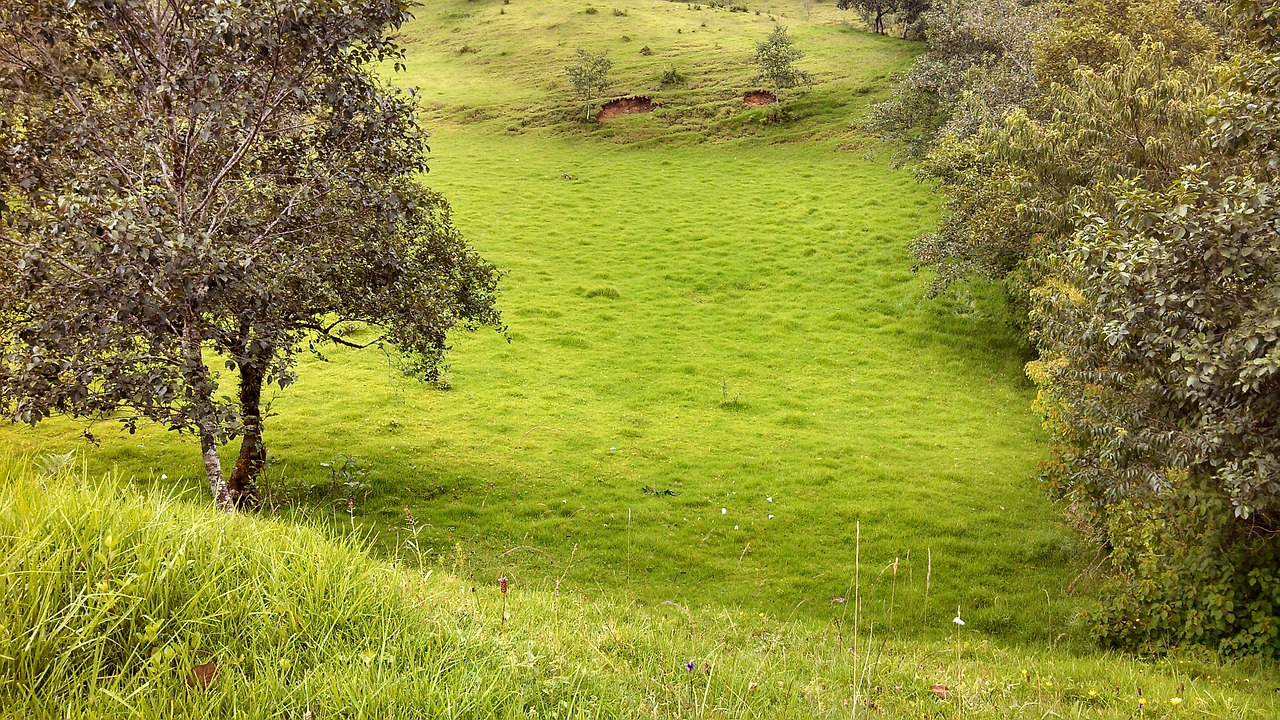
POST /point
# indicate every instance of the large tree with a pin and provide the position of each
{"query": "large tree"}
(181, 176)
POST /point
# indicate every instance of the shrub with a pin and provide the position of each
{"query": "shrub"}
(672, 76)
(1187, 573)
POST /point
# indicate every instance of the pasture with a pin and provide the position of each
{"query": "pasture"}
(721, 383)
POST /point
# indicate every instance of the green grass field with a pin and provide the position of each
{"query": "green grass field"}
(720, 365)
(117, 603)
(722, 419)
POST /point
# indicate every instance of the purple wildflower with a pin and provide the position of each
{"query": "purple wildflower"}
(690, 665)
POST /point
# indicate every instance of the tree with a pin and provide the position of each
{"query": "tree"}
(589, 76)
(874, 12)
(1160, 373)
(776, 58)
(186, 177)
(911, 16)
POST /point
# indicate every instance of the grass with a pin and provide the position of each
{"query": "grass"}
(499, 68)
(121, 602)
(726, 323)
(720, 371)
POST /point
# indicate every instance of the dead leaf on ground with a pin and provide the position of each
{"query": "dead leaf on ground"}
(942, 691)
(202, 676)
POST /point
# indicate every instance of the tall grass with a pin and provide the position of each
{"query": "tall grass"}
(120, 603)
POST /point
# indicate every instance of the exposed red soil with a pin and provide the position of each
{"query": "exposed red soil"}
(626, 106)
(759, 97)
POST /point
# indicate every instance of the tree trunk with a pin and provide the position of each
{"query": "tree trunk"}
(213, 469)
(201, 386)
(242, 484)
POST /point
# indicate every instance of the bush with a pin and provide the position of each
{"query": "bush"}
(1187, 573)
(672, 76)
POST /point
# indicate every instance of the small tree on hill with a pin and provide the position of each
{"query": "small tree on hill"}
(776, 58)
(874, 12)
(589, 75)
(184, 177)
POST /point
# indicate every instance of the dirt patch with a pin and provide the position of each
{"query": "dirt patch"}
(626, 106)
(759, 97)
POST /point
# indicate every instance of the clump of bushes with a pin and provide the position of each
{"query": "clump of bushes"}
(671, 76)
(1187, 573)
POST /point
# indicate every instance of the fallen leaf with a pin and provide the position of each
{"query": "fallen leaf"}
(942, 691)
(202, 676)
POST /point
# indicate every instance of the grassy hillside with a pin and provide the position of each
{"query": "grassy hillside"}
(727, 325)
(116, 603)
(720, 365)
(499, 66)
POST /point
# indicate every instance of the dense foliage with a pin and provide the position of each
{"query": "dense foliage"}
(199, 175)
(1124, 191)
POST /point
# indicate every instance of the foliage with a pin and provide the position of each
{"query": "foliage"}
(976, 66)
(910, 14)
(671, 75)
(874, 12)
(237, 183)
(1188, 574)
(1127, 202)
(912, 17)
(589, 76)
(120, 605)
(775, 59)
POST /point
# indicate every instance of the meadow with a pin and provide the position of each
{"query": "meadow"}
(723, 427)
(720, 383)
(718, 365)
